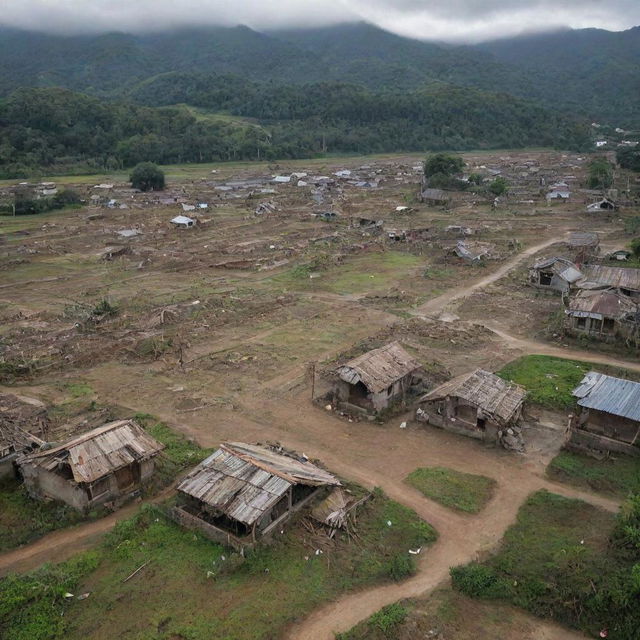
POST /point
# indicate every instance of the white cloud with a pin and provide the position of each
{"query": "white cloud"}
(452, 20)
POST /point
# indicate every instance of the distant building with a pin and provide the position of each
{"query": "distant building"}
(436, 197)
(605, 204)
(183, 222)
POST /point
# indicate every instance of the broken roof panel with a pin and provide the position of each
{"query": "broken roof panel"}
(618, 277)
(615, 396)
(491, 393)
(100, 451)
(379, 368)
(598, 304)
(583, 239)
(244, 481)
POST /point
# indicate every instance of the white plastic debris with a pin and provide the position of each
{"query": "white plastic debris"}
(318, 552)
(328, 407)
(403, 425)
(389, 523)
(84, 596)
(415, 552)
(69, 595)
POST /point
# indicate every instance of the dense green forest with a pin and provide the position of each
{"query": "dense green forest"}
(59, 131)
(589, 72)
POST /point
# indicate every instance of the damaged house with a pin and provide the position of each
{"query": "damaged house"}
(243, 492)
(105, 464)
(22, 420)
(608, 416)
(477, 404)
(583, 246)
(602, 205)
(625, 279)
(435, 197)
(554, 274)
(377, 379)
(604, 314)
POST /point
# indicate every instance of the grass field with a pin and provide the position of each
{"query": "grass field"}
(194, 589)
(460, 491)
(618, 477)
(564, 559)
(549, 381)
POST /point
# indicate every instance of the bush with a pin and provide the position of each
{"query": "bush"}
(147, 176)
(388, 618)
(478, 581)
(635, 247)
(498, 187)
(402, 566)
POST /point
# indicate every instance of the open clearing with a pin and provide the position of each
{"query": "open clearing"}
(215, 330)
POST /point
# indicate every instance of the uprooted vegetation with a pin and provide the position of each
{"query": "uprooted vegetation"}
(567, 560)
(190, 587)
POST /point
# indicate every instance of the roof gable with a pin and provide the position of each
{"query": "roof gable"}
(616, 396)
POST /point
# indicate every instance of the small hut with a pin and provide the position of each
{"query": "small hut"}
(554, 274)
(375, 380)
(243, 492)
(105, 464)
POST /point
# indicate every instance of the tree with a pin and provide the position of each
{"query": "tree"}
(476, 178)
(443, 163)
(499, 186)
(629, 158)
(600, 174)
(635, 247)
(147, 176)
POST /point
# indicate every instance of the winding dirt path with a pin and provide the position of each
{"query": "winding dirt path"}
(365, 453)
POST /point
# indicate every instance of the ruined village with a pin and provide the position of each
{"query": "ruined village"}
(262, 358)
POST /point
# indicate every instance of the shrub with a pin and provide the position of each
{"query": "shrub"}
(388, 618)
(478, 581)
(402, 566)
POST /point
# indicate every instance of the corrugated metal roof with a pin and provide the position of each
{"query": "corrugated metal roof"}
(244, 481)
(619, 277)
(595, 303)
(615, 396)
(379, 368)
(564, 268)
(492, 394)
(99, 452)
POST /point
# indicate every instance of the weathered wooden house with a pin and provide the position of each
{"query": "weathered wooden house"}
(377, 379)
(608, 416)
(243, 493)
(477, 404)
(625, 279)
(435, 197)
(604, 314)
(183, 222)
(103, 465)
(605, 204)
(582, 246)
(22, 420)
(554, 274)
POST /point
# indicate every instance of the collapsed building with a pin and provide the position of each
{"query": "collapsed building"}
(478, 404)
(554, 274)
(377, 379)
(22, 420)
(106, 464)
(603, 314)
(625, 279)
(608, 416)
(243, 493)
(582, 246)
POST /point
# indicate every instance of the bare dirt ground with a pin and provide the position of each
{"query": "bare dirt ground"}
(216, 327)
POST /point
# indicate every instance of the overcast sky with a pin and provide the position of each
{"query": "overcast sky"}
(452, 20)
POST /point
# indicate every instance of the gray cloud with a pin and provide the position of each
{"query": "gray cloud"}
(451, 20)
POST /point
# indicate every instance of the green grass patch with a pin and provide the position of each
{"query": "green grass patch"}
(194, 589)
(383, 624)
(23, 519)
(613, 476)
(461, 491)
(567, 560)
(549, 381)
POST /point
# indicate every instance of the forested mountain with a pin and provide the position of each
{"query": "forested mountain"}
(56, 130)
(590, 72)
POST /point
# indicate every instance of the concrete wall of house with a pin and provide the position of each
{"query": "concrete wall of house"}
(615, 427)
(45, 484)
(585, 441)
(458, 416)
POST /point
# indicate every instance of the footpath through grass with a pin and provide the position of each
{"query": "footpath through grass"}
(194, 589)
(461, 491)
(549, 381)
(613, 476)
(567, 560)
(24, 519)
